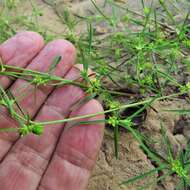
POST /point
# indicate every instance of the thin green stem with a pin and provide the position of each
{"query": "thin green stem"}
(108, 111)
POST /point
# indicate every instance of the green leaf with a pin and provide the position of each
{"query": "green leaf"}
(169, 14)
(116, 139)
(90, 36)
(38, 129)
(54, 64)
(180, 111)
(142, 176)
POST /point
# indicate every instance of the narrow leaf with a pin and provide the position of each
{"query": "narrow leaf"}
(54, 64)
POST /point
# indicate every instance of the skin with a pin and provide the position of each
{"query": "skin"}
(62, 158)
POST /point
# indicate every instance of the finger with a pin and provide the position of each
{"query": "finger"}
(76, 153)
(29, 157)
(19, 51)
(41, 63)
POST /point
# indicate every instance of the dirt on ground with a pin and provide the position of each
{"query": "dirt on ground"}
(110, 172)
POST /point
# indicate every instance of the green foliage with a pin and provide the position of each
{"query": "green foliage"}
(32, 128)
(132, 65)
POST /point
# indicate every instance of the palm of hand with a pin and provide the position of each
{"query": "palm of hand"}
(59, 159)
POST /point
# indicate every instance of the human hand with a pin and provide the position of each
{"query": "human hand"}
(59, 159)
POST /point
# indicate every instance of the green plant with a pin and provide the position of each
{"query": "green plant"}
(142, 66)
